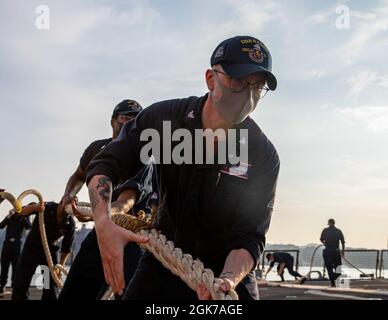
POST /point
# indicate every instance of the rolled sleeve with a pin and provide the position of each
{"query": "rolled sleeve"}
(120, 160)
(141, 184)
(86, 157)
(253, 245)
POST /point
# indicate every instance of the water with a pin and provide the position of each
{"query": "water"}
(37, 278)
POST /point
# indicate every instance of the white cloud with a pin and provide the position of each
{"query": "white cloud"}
(366, 28)
(60, 86)
(84, 20)
(365, 78)
(253, 15)
(139, 15)
(382, 81)
(314, 74)
(366, 33)
(363, 15)
(329, 15)
(375, 118)
(322, 16)
(362, 36)
(361, 80)
(248, 17)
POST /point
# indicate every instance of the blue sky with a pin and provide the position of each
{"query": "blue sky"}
(328, 117)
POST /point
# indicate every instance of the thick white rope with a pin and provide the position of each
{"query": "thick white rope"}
(191, 271)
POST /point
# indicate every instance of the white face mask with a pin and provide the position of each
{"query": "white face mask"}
(233, 106)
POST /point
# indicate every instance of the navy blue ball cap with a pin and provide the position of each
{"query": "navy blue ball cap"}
(242, 56)
(127, 107)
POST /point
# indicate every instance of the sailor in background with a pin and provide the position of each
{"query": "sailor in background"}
(15, 225)
(331, 237)
(285, 261)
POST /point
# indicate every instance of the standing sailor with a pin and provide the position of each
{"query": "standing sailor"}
(331, 237)
(15, 225)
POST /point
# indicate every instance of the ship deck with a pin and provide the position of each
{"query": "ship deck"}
(319, 290)
(310, 290)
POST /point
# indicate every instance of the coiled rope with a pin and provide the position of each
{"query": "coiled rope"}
(17, 204)
(191, 271)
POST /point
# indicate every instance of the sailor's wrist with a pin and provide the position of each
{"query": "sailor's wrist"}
(101, 220)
